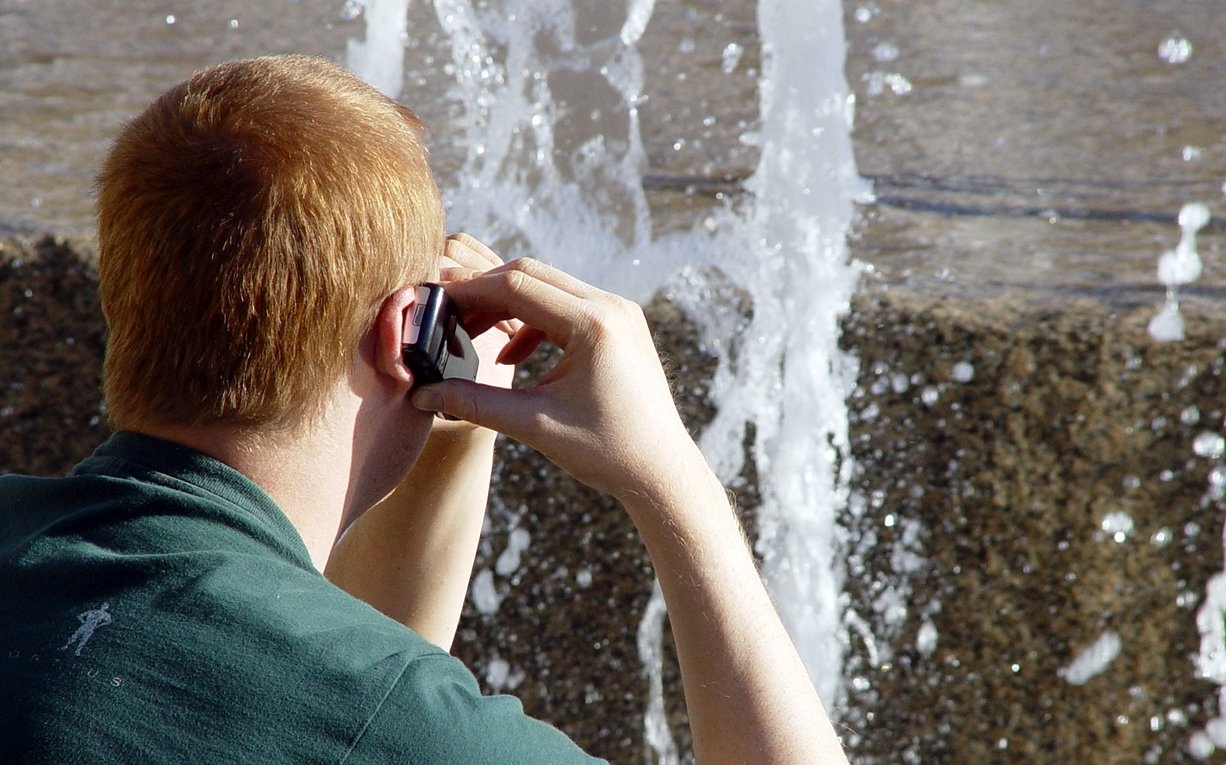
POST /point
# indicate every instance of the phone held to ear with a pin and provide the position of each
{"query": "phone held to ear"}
(436, 347)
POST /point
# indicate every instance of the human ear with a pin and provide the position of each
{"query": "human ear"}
(392, 321)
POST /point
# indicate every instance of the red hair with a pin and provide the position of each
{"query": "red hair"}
(250, 223)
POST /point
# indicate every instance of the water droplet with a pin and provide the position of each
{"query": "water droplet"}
(885, 52)
(876, 83)
(1167, 326)
(1200, 746)
(963, 372)
(352, 10)
(1175, 49)
(1194, 216)
(1179, 266)
(926, 638)
(485, 596)
(1209, 445)
(1119, 525)
(732, 57)
(1217, 477)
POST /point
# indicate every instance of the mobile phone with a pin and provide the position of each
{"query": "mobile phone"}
(435, 345)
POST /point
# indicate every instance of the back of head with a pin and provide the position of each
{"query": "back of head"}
(250, 223)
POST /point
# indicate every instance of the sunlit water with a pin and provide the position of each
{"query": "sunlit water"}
(1177, 268)
(553, 169)
(569, 190)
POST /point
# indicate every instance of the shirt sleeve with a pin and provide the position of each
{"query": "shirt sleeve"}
(435, 714)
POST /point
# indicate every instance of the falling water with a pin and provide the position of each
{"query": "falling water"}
(1176, 268)
(549, 93)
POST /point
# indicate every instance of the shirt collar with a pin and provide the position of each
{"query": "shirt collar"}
(145, 458)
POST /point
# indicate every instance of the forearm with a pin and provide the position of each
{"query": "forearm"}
(748, 695)
(411, 556)
(605, 414)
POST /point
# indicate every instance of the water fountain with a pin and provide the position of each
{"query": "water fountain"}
(1028, 566)
(553, 168)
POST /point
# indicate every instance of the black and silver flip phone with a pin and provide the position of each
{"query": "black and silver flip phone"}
(436, 347)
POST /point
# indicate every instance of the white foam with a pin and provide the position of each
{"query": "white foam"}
(535, 181)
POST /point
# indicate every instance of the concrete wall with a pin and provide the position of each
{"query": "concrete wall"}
(1000, 448)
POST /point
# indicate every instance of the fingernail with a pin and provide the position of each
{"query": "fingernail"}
(427, 400)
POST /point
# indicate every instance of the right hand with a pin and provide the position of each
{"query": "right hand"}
(605, 412)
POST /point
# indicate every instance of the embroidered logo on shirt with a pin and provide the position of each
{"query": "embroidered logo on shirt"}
(91, 621)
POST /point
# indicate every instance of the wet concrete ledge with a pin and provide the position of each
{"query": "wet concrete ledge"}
(1029, 484)
(1026, 484)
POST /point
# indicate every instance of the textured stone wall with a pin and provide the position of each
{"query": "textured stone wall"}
(1029, 488)
(51, 344)
(1026, 487)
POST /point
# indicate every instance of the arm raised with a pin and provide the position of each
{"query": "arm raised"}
(411, 555)
(605, 414)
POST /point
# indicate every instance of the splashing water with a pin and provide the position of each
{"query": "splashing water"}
(538, 180)
(553, 168)
(1093, 660)
(379, 59)
(1177, 267)
(800, 283)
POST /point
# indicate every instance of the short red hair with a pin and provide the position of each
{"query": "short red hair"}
(250, 223)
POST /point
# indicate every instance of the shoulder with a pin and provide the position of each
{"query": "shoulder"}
(435, 713)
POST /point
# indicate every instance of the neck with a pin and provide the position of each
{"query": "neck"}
(306, 471)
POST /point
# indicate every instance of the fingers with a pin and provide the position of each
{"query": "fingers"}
(521, 345)
(469, 252)
(464, 258)
(551, 301)
(603, 408)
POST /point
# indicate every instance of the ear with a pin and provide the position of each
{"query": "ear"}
(391, 322)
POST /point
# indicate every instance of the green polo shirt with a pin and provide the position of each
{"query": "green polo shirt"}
(157, 607)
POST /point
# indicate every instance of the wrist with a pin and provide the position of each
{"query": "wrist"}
(669, 485)
(457, 434)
